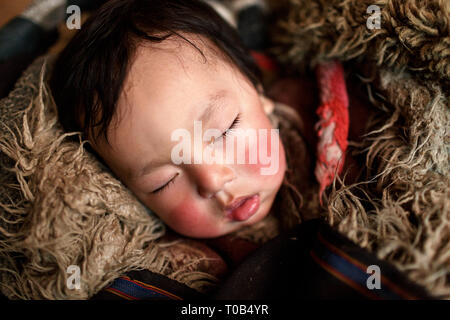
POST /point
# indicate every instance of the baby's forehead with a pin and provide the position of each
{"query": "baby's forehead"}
(178, 50)
(172, 76)
(162, 70)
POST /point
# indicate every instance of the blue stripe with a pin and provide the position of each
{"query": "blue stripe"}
(135, 290)
(353, 272)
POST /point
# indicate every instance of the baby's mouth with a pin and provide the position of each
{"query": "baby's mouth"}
(243, 208)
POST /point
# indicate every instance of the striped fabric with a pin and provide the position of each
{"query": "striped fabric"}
(353, 272)
(129, 289)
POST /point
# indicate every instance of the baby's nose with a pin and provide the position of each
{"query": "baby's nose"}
(210, 179)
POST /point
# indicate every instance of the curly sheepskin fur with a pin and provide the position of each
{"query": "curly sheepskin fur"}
(401, 211)
(60, 206)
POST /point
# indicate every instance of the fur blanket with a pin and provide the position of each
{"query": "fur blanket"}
(60, 207)
(401, 210)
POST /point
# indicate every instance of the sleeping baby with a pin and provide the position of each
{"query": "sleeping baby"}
(171, 101)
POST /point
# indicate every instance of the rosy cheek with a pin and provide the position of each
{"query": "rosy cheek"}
(252, 168)
(187, 218)
(183, 215)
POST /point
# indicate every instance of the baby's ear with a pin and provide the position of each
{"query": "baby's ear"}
(267, 104)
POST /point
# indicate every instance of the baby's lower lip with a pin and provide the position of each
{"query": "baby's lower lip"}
(246, 209)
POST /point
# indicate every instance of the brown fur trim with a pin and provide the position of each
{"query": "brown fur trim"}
(59, 207)
(414, 34)
(401, 210)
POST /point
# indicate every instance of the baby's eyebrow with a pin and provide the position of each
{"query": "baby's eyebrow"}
(214, 103)
(133, 175)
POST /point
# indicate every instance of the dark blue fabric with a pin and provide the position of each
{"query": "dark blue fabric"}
(150, 278)
(343, 266)
(135, 290)
(20, 36)
(285, 268)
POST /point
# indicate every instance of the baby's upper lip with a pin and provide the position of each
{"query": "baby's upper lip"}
(236, 202)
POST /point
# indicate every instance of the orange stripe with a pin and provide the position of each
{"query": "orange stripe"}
(363, 267)
(120, 294)
(343, 278)
(145, 285)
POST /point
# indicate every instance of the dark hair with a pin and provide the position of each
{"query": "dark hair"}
(88, 75)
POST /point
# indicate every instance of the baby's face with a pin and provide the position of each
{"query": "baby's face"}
(168, 87)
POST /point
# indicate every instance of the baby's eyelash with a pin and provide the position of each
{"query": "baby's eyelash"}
(164, 186)
(226, 132)
(233, 125)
